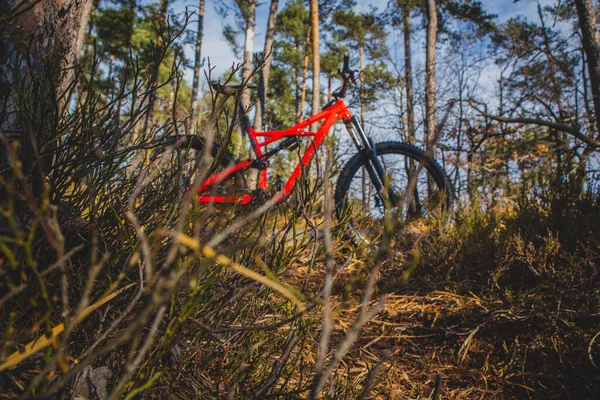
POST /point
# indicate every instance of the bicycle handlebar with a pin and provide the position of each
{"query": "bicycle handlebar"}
(347, 76)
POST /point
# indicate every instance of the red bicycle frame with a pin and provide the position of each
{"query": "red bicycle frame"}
(330, 115)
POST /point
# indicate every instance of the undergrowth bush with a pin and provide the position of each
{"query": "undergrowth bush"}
(113, 279)
(531, 322)
(110, 272)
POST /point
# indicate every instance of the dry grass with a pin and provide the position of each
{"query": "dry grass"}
(496, 305)
(263, 303)
(504, 312)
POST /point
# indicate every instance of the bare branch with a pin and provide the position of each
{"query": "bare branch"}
(536, 121)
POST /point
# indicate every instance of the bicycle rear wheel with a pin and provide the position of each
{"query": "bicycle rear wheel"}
(178, 158)
(418, 184)
(173, 163)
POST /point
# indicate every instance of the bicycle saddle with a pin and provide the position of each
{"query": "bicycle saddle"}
(229, 87)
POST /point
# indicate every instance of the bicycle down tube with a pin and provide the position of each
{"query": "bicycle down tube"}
(329, 115)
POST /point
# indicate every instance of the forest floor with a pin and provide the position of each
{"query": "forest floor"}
(497, 304)
(496, 308)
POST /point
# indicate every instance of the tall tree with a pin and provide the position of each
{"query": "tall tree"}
(408, 80)
(263, 84)
(289, 52)
(307, 49)
(155, 66)
(330, 63)
(364, 32)
(432, 26)
(314, 19)
(197, 60)
(113, 29)
(591, 44)
(246, 20)
(52, 37)
(41, 42)
(248, 11)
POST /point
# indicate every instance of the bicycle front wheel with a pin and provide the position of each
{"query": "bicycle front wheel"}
(415, 187)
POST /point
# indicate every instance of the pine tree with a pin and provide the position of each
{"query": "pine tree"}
(363, 32)
(197, 60)
(289, 51)
(432, 27)
(591, 44)
(155, 66)
(248, 11)
(316, 89)
(263, 85)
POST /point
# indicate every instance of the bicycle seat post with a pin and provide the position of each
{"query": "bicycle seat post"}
(234, 88)
(244, 119)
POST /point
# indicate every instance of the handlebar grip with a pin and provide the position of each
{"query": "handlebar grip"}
(346, 63)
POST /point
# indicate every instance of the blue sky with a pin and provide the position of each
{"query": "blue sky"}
(221, 56)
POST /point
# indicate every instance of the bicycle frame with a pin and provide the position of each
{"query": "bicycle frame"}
(332, 113)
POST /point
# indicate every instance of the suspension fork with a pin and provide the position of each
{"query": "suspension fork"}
(365, 145)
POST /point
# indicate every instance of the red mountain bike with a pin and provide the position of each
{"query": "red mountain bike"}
(381, 177)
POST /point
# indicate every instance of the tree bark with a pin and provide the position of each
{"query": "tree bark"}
(38, 49)
(408, 81)
(316, 95)
(361, 98)
(87, 42)
(432, 25)
(361, 79)
(197, 61)
(586, 95)
(591, 45)
(556, 89)
(304, 75)
(52, 33)
(263, 84)
(297, 89)
(250, 19)
(153, 83)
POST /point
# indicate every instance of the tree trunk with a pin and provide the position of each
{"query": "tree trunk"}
(87, 42)
(559, 138)
(316, 95)
(430, 139)
(361, 92)
(297, 91)
(111, 63)
(432, 24)
(197, 61)
(304, 75)
(43, 43)
(361, 78)
(52, 32)
(551, 66)
(153, 83)
(586, 95)
(250, 19)
(408, 81)
(263, 84)
(591, 45)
